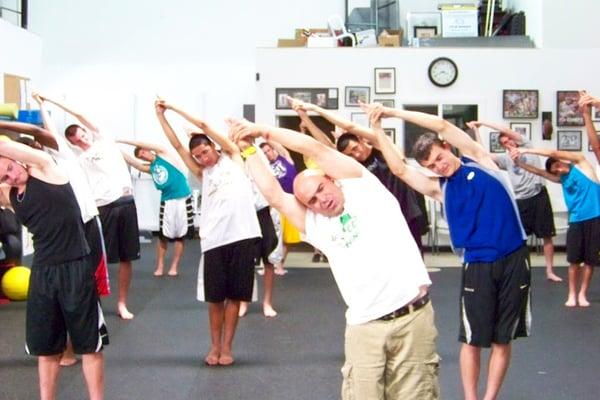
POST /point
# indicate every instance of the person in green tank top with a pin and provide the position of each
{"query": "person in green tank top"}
(176, 214)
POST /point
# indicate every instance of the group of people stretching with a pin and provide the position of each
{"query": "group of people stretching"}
(353, 188)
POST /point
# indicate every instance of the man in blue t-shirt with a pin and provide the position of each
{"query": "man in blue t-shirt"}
(581, 191)
(485, 226)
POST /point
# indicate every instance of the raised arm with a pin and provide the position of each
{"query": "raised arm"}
(282, 151)
(333, 163)
(396, 162)
(574, 156)
(307, 124)
(183, 152)
(144, 145)
(226, 145)
(135, 163)
(503, 129)
(80, 117)
(516, 156)
(40, 134)
(585, 104)
(336, 119)
(25, 154)
(449, 132)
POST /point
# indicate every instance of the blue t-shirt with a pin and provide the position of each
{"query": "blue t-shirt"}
(582, 195)
(169, 180)
(481, 212)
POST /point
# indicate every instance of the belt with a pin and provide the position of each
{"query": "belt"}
(407, 309)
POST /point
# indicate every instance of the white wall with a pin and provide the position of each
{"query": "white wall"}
(483, 74)
(534, 21)
(570, 24)
(21, 54)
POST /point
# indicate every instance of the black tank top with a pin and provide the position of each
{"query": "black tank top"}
(50, 212)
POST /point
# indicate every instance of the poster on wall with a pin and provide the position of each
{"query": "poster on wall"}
(567, 109)
(520, 103)
(326, 98)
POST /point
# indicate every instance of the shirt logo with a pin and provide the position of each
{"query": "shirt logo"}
(160, 174)
(348, 231)
(470, 175)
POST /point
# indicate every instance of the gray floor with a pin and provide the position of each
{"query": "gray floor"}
(297, 355)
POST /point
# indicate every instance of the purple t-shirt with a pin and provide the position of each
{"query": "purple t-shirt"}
(285, 172)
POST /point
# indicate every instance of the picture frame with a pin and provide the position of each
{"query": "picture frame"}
(595, 114)
(520, 104)
(495, 146)
(391, 103)
(421, 19)
(568, 140)
(547, 127)
(391, 133)
(360, 118)
(524, 128)
(425, 32)
(567, 109)
(589, 144)
(327, 98)
(385, 80)
(356, 94)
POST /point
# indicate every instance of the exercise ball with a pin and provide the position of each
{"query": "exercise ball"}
(15, 283)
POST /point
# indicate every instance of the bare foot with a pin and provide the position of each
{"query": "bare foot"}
(67, 361)
(280, 271)
(583, 302)
(212, 358)
(158, 272)
(243, 309)
(226, 359)
(123, 312)
(269, 311)
(552, 277)
(173, 273)
(571, 302)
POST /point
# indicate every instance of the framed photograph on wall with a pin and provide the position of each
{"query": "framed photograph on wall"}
(326, 98)
(595, 114)
(547, 127)
(425, 32)
(386, 102)
(385, 80)
(391, 133)
(360, 118)
(524, 128)
(589, 145)
(520, 104)
(495, 146)
(357, 94)
(567, 110)
(569, 140)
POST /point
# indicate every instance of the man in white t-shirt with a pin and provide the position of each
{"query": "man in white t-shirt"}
(341, 209)
(112, 190)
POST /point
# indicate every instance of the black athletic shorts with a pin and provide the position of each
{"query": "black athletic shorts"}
(63, 299)
(120, 229)
(229, 271)
(536, 215)
(583, 242)
(268, 242)
(495, 300)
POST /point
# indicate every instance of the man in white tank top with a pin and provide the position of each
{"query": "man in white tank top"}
(341, 210)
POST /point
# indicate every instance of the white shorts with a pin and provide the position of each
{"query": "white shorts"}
(176, 219)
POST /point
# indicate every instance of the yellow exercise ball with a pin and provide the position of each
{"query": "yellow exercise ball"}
(15, 283)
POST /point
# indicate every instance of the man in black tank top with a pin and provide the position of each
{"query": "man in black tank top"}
(62, 289)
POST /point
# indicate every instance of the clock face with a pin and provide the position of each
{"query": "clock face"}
(443, 72)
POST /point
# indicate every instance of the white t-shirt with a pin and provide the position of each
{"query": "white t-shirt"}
(227, 212)
(106, 171)
(374, 258)
(67, 161)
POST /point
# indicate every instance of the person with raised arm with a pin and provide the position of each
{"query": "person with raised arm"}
(586, 102)
(109, 179)
(62, 298)
(341, 209)
(229, 228)
(358, 141)
(176, 214)
(485, 226)
(535, 208)
(581, 191)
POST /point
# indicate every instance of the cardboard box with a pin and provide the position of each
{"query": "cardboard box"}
(291, 42)
(459, 21)
(390, 38)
